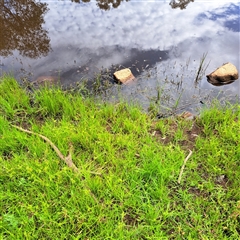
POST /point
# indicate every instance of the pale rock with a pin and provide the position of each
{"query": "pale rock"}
(187, 115)
(124, 75)
(46, 80)
(225, 74)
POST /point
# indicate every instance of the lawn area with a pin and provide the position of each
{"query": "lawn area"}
(122, 179)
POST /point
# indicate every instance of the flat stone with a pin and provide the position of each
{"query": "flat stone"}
(187, 115)
(124, 76)
(46, 80)
(225, 74)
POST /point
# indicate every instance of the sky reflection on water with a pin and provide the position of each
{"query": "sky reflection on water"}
(85, 39)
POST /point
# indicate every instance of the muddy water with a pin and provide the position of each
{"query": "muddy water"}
(162, 42)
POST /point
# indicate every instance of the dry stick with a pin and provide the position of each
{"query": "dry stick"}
(67, 160)
(183, 166)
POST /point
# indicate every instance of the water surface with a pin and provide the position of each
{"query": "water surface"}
(161, 41)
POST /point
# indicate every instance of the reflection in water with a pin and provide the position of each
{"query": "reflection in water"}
(182, 4)
(79, 1)
(107, 4)
(232, 23)
(162, 48)
(21, 28)
(104, 4)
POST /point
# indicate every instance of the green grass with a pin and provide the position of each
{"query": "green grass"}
(128, 165)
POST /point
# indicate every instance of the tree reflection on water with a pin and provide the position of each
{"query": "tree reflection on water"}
(108, 4)
(21, 28)
(182, 4)
(104, 4)
(21, 24)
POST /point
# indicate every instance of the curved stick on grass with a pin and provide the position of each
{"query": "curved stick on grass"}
(183, 166)
(67, 160)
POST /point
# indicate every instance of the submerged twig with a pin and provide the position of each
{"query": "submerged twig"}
(183, 166)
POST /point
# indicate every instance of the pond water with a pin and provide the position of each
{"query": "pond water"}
(162, 42)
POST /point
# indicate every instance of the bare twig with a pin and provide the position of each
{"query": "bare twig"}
(67, 160)
(183, 166)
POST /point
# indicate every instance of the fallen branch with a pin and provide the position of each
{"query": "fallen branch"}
(183, 166)
(67, 160)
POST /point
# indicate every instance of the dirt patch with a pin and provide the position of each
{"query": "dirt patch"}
(198, 193)
(189, 134)
(131, 218)
(223, 181)
(201, 169)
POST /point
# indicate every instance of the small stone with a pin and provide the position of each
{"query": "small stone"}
(46, 80)
(124, 75)
(225, 74)
(187, 116)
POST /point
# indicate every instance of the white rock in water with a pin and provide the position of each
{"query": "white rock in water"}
(225, 74)
(46, 80)
(124, 75)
